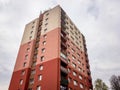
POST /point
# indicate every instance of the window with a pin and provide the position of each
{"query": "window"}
(80, 46)
(76, 32)
(68, 60)
(40, 77)
(72, 33)
(28, 49)
(31, 32)
(74, 73)
(26, 57)
(73, 50)
(30, 37)
(34, 63)
(81, 57)
(68, 45)
(43, 50)
(73, 57)
(41, 67)
(80, 77)
(77, 43)
(78, 54)
(68, 70)
(83, 70)
(35, 56)
(46, 19)
(68, 53)
(74, 65)
(72, 38)
(44, 42)
(23, 72)
(81, 86)
(33, 71)
(38, 88)
(31, 81)
(76, 38)
(32, 26)
(30, 89)
(24, 64)
(70, 89)
(75, 83)
(46, 24)
(78, 69)
(69, 79)
(33, 22)
(47, 14)
(45, 29)
(79, 62)
(45, 36)
(21, 82)
(71, 27)
(42, 58)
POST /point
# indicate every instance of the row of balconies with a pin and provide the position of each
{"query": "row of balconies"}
(33, 64)
(63, 55)
(64, 71)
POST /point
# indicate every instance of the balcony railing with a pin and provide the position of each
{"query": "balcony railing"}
(64, 81)
(63, 31)
(63, 45)
(63, 55)
(64, 60)
(63, 38)
(64, 70)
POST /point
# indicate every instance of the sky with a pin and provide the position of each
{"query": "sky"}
(98, 20)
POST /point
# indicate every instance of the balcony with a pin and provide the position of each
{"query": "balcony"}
(39, 32)
(63, 31)
(38, 39)
(63, 45)
(64, 70)
(36, 52)
(64, 61)
(63, 87)
(40, 23)
(64, 81)
(63, 56)
(63, 38)
(37, 45)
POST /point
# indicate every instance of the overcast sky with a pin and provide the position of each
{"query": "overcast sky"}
(98, 20)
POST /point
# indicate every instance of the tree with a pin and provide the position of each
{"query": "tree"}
(100, 85)
(115, 82)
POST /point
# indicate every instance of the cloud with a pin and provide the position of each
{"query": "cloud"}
(98, 20)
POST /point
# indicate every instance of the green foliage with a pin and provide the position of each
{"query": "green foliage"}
(100, 85)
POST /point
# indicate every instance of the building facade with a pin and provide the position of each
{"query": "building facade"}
(52, 55)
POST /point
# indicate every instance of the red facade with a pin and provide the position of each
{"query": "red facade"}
(51, 60)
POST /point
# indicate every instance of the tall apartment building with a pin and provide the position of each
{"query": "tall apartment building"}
(52, 55)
